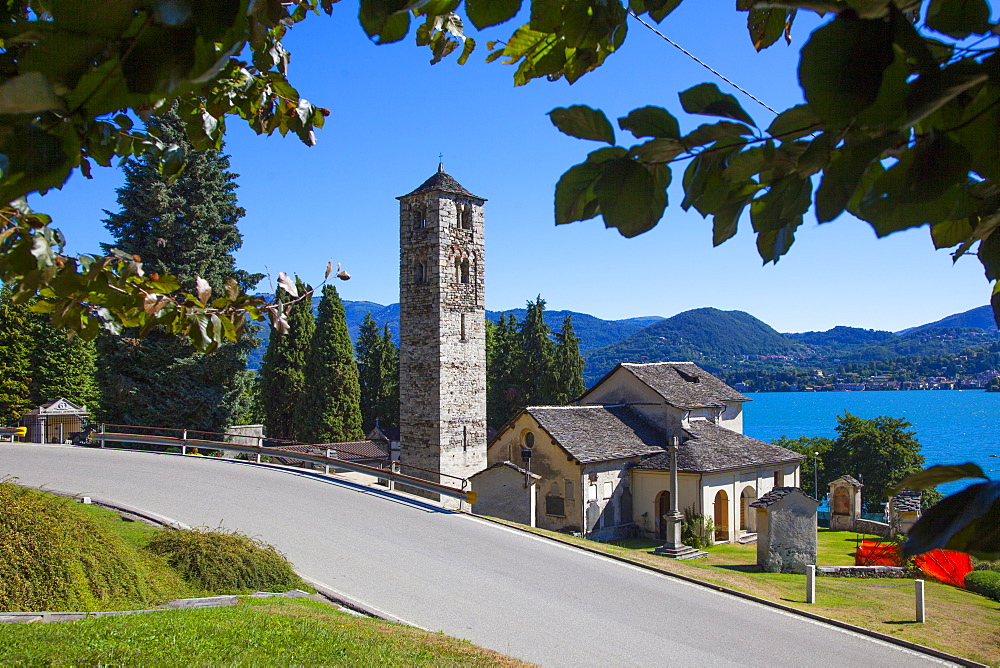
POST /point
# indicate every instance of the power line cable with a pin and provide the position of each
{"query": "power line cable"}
(703, 63)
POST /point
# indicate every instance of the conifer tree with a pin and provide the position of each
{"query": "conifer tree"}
(505, 394)
(62, 367)
(568, 364)
(15, 359)
(330, 410)
(186, 228)
(535, 368)
(282, 373)
(378, 373)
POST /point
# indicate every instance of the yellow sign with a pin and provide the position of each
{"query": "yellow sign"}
(22, 432)
(470, 498)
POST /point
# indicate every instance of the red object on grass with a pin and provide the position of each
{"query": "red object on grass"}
(946, 566)
(871, 553)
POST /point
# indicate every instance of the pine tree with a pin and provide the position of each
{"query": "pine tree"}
(15, 359)
(378, 373)
(535, 368)
(505, 393)
(568, 364)
(282, 373)
(330, 410)
(186, 228)
(62, 367)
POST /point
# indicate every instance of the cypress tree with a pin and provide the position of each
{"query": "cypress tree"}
(186, 228)
(535, 368)
(15, 359)
(62, 367)
(568, 364)
(282, 373)
(330, 410)
(378, 374)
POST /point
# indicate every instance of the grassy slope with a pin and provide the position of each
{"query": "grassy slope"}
(958, 621)
(255, 632)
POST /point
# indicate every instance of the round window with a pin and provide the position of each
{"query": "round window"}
(529, 440)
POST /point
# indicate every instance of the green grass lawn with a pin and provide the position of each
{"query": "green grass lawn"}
(958, 621)
(260, 632)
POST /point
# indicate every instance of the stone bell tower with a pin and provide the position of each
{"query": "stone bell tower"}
(442, 352)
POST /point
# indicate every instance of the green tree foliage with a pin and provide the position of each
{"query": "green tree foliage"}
(880, 452)
(504, 392)
(568, 364)
(15, 360)
(62, 367)
(282, 374)
(811, 465)
(187, 227)
(378, 374)
(330, 410)
(537, 356)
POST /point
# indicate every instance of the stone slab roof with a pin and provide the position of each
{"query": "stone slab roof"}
(772, 497)
(684, 384)
(907, 501)
(709, 447)
(445, 183)
(509, 465)
(849, 480)
(599, 433)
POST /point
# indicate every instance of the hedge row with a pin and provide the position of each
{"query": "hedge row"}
(986, 583)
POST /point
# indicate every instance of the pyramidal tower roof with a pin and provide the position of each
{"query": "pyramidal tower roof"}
(443, 182)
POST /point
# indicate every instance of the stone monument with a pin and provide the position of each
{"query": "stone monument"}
(845, 503)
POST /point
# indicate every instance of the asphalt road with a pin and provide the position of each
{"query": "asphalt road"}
(520, 595)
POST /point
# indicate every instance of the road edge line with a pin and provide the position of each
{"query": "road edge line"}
(917, 647)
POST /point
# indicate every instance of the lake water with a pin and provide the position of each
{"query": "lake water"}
(953, 426)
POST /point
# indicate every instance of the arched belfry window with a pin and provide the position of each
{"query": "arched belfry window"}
(419, 219)
(420, 272)
(465, 217)
(463, 271)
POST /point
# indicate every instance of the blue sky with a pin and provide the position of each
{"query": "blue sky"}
(393, 113)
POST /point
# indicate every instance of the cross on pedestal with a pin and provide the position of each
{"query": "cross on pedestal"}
(673, 547)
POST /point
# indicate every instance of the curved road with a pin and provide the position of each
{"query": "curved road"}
(520, 595)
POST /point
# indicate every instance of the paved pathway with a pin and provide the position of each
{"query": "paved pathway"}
(499, 588)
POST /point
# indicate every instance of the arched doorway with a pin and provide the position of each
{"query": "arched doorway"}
(662, 508)
(747, 519)
(721, 516)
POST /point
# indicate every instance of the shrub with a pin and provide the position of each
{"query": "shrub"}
(225, 562)
(697, 530)
(980, 565)
(986, 583)
(53, 557)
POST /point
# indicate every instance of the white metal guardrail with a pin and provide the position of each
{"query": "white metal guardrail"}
(393, 475)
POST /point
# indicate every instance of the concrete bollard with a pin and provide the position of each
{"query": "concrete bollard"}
(810, 584)
(326, 467)
(918, 586)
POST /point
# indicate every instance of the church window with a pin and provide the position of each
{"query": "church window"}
(609, 489)
(463, 328)
(419, 219)
(465, 437)
(592, 492)
(465, 215)
(779, 478)
(420, 272)
(463, 271)
(529, 440)
(569, 489)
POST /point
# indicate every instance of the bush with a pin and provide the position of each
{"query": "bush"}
(986, 583)
(980, 565)
(697, 530)
(53, 557)
(225, 562)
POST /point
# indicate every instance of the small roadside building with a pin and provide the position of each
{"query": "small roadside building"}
(786, 530)
(506, 490)
(845, 503)
(54, 422)
(602, 462)
(904, 510)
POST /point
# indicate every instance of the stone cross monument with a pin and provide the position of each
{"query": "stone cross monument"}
(442, 332)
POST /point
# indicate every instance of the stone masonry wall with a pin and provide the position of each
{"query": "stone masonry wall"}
(442, 336)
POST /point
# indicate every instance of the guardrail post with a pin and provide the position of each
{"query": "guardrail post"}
(326, 467)
(810, 583)
(184, 447)
(393, 468)
(918, 586)
(102, 431)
